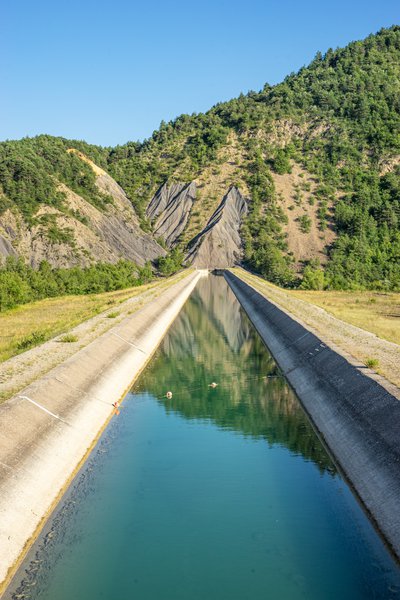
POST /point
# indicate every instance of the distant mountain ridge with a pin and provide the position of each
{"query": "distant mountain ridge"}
(317, 159)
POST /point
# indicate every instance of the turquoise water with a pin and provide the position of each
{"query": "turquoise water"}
(216, 494)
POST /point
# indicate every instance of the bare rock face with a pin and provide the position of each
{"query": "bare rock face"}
(98, 235)
(6, 249)
(161, 198)
(219, 244)
(86, 233)
(169, 210)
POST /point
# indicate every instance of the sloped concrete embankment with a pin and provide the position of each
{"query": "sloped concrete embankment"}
(47, 430)
(357, 417)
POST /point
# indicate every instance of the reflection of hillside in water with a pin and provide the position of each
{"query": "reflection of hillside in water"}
(215, 302)
(213, 340)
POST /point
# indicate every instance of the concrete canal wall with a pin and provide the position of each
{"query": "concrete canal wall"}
(357, 417)
(49, 428)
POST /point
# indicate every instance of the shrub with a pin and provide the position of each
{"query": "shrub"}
(281, 163)
(31, 340)
(372, 363)
(170, 264)
(305, 223)
(68, 338)
(313, 279)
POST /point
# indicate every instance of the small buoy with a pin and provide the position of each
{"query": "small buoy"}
(168, 395)
(213, 384)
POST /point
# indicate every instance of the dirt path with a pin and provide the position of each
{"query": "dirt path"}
(357, 342)
(19, 371)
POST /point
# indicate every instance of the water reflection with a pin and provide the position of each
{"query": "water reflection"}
(184, 499)
(252, 397)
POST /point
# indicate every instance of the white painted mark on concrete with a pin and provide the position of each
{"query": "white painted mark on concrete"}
(41, 407)
(128, 342)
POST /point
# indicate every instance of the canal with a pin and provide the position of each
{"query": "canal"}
(218, 493)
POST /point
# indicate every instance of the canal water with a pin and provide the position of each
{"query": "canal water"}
(219, 493)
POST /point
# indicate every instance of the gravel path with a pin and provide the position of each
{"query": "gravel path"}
(358, 343)
(19, 371)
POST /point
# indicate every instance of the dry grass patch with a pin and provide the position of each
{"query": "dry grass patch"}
(31, 324)
(376, 312)
(365, 325)
(295, 193)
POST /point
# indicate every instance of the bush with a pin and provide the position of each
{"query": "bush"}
(313, 279)
(31, 340)
(372, 363)
(170, 264)
(305, 223)
(68, 338)
(14, 290)
(281, 163)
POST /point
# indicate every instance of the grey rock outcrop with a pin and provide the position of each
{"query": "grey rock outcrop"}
(161, 198)
(169, 210)
(108, 185)
(6, 249)
(98, 235)
(219, 244)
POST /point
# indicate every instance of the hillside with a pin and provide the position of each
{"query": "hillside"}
(59, 206)
(315, 159)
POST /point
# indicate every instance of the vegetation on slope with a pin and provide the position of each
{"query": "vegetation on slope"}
(29, 325)
(32, 168)
(20, 283)
(339, 118)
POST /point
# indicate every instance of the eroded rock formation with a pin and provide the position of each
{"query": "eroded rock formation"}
(219, 244)
(92, 235)
(169, 210)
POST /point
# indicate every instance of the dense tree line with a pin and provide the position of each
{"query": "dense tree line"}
(20, 283)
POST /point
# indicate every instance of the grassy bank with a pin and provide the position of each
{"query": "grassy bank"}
(377, 312)
(31, 324)
(68, 323)
(348, 319)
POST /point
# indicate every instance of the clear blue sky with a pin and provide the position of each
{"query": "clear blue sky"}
(109, 72)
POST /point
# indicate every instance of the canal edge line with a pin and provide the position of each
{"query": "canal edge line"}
(357, 417)
(45, 430)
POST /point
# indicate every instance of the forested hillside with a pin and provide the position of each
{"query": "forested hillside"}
(317, 157)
